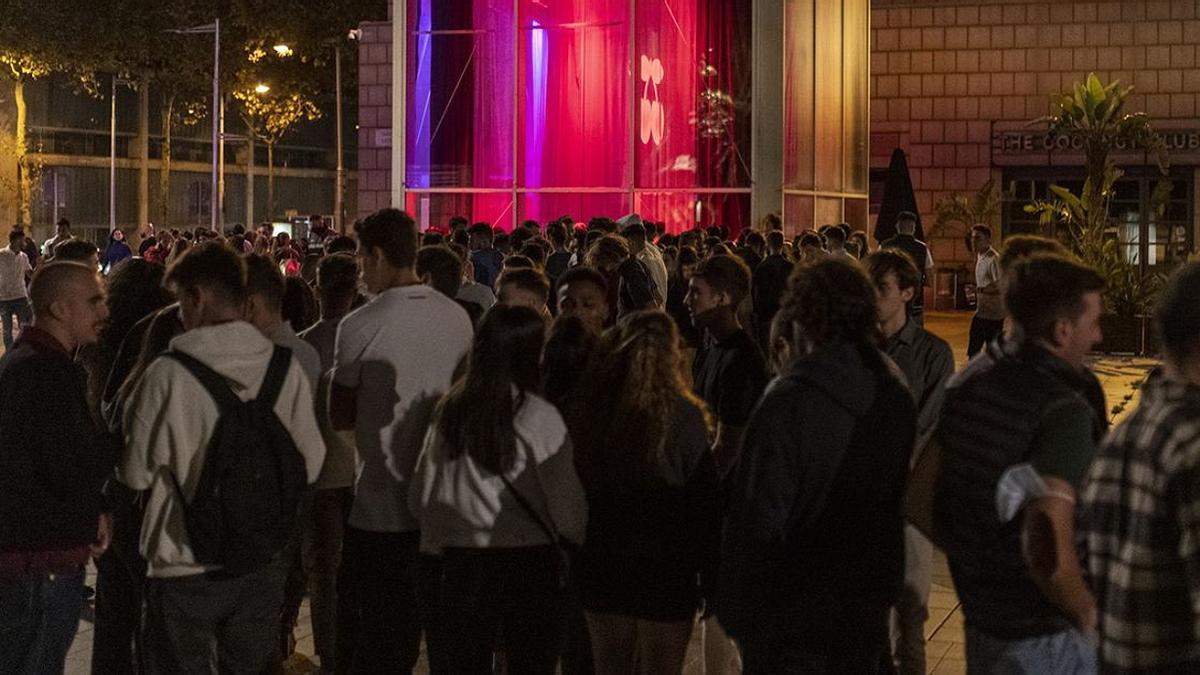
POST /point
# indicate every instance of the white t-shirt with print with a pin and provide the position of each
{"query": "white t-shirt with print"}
(399, 351)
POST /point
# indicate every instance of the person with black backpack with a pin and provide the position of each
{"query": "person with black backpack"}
(220, 430)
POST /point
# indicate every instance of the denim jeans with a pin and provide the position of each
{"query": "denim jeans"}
(1065, 653)
(19, 307)
(39, 614)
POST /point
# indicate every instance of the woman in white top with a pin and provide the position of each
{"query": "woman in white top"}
(496, 493)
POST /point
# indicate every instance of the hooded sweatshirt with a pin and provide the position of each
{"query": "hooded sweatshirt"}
(816, 521)
(170, 419)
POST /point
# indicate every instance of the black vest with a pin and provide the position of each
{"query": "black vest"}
(987, 425)
(919, 252)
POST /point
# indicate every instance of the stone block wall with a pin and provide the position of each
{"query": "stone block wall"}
(374, 117)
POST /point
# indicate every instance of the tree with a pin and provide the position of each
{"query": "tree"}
(38, 37)
(269, 115)
(1093, 116)
(956, 213)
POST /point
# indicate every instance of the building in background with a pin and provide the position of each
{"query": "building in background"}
(69, 141)
(955, 84)
(689, 112)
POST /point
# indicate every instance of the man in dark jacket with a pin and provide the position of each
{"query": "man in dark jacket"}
(1018, 432)
(906, 240)
(813, 555)
(53, 462)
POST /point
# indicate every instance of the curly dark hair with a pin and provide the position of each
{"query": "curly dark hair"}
(832, 300)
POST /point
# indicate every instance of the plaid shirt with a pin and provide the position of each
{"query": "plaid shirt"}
(1141, 521)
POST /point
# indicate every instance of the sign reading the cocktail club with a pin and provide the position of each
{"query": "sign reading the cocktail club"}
(1028, 145)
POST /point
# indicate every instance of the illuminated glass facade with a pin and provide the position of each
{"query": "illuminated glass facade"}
(528, 109)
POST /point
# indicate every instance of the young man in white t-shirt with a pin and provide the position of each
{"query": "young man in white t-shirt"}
(15, 271)
(989, 309)
(394, 358)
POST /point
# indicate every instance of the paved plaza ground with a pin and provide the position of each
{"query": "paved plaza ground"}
(1121, 377)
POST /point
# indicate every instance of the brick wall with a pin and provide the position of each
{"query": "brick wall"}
(941, 73)
(374, 116)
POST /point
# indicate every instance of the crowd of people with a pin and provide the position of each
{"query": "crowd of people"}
(571, 446)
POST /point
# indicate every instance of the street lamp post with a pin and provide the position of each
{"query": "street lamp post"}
(218, 110)
(339, 195)
(112, 152)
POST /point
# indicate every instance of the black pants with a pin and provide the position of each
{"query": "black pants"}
(121, 573)
(189, 619)
(983, 331)
(483, 601)
(847, 640)
(381, 569)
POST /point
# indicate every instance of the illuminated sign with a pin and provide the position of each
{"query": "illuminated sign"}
(654, 116)
(1033, 142)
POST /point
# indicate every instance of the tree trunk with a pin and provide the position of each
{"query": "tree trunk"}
(164, 173)
(270, 182)
(250, 181)
(24, 178)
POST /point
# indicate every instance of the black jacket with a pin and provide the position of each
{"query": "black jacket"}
(816, 520)
(53, 457)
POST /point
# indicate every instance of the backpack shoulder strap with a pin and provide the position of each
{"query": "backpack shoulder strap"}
(213, 382)
(276, 373)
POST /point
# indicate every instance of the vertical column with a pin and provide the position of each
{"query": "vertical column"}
(399, 97)
(143, 154)
(766, 96)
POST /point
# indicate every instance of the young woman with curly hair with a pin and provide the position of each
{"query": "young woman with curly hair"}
(644, 456)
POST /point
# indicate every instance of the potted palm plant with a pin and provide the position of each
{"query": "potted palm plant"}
(1093, 117)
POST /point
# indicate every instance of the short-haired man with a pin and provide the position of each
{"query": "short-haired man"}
(337, 290)
(630, 288)
(77, 250)
(62, 232)
(15, 272)
(199, 618)
(583, 292)
(440, 268)
(1018, 431)
(927, 362)
(1143, 518)
(989, 308)
(264, 310)
(484, 256)
(814, 544)
(835, 242)
(53, 463)
(729, 373)
(395, 357)
(906, 240)
(526, 287)
(560, 258)
(648, 254)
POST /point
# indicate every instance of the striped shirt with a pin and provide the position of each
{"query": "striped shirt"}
(1141, 520)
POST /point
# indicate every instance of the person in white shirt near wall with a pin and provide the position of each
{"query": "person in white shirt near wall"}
(15, 271)
(989, 309)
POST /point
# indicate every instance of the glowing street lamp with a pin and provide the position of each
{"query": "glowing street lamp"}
(261, 89)
(282, 50)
